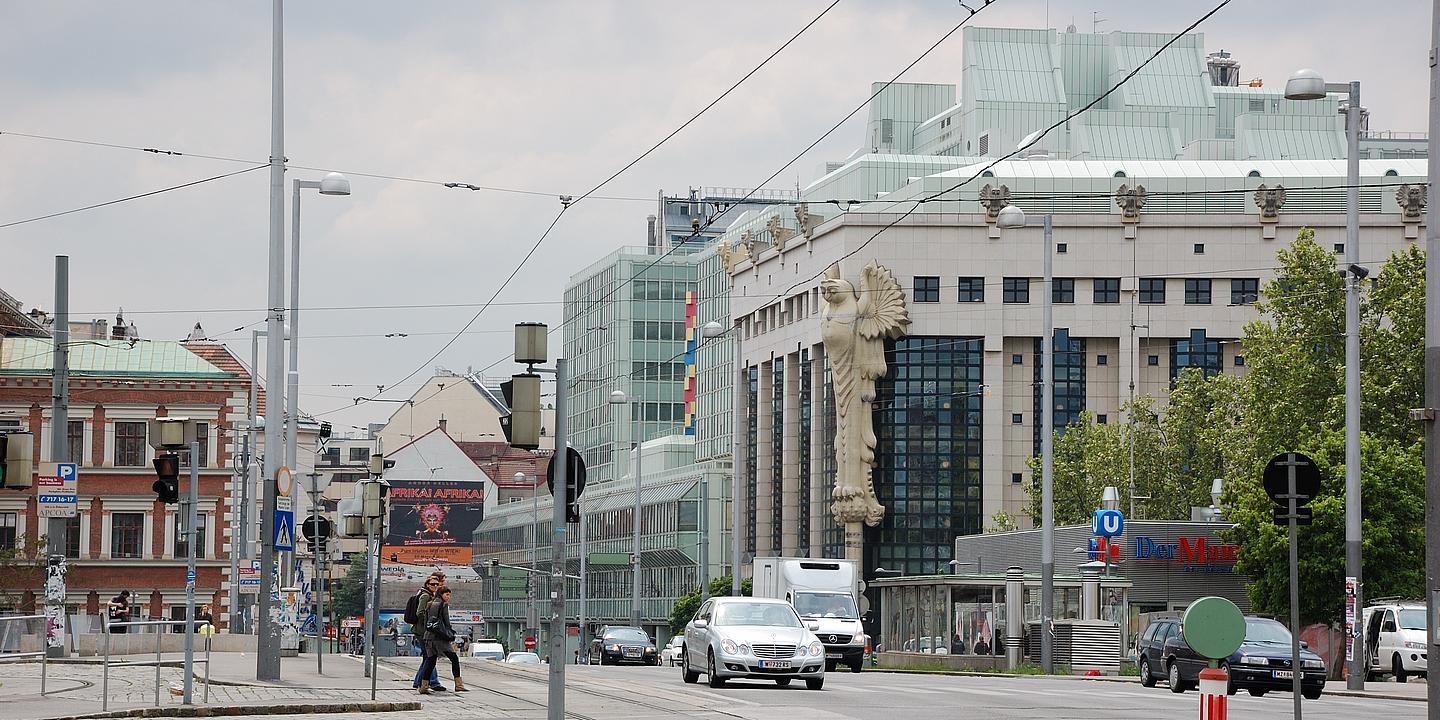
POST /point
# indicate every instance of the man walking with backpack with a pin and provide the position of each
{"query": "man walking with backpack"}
(415, 616)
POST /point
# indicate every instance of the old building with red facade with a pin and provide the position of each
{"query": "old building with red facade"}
(122, 537)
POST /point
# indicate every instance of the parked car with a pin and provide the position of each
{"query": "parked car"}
(487, 648)
(1395, 640)
(749, 637)
(670, 654)
(617, 644)
(521, 657)
(1263, 662)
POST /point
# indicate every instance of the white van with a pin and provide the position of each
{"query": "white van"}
(1395, 639)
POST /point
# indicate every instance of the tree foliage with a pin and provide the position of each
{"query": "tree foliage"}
(1291, 398)
(688, 604)
(22, 569)
(348, 595)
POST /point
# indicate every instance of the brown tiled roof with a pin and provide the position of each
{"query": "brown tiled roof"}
(219, 355)
(500, 462)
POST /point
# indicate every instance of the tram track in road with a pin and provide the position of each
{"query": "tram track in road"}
(571, 687)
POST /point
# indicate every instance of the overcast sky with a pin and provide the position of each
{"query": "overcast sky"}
(542, 96)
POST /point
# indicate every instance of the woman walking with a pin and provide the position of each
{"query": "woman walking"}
(440, 640)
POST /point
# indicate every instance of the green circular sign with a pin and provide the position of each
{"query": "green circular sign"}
(1213, 627)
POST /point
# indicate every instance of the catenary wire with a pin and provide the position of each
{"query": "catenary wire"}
(750, 193)
(130, 197)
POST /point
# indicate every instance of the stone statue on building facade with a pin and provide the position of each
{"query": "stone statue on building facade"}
(855, 323)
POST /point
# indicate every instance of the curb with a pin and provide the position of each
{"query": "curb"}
(234, 710)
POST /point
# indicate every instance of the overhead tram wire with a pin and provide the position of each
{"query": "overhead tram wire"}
(568, 202)
(1024, 146)
(130, 197)
(750, 193)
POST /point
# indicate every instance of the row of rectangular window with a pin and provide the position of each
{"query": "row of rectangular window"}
(1243, 291)
(1100, 359)
(130, 443)
(127, 535)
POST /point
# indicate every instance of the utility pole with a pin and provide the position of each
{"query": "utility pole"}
(558, 526)
(267, 655)
(1432, 373)
(1354, 563)
(1047, 458)
(741, 376)
(192, 535)
(319, 545)
(59, 442)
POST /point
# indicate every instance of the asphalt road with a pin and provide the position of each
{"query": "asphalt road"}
(884, 696)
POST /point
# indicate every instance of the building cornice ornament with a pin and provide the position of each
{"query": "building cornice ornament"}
(805, 221)
(728, 257)
(856, 321)
(1412, 200)
(1130, 201)
(994, 199)
(1269, 200)
(778, 232)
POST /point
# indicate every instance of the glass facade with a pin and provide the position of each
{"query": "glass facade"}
(803, 524)
(1197, 351)
(777, 454)
(928, 455)
(1069, 379)
(752, 402)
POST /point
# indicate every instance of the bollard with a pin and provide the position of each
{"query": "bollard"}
(1214, 689)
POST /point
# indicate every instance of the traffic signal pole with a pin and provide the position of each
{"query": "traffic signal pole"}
(317, 580)
(59, 444)
(192, 535)
(558, 527)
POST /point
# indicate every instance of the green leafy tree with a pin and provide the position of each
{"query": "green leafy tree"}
(688, 604)
(1296, 356)
(22, 570)
(348, 595)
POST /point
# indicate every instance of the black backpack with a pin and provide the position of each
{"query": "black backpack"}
(412, 610)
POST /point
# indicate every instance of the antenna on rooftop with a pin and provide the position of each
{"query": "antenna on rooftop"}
(1095, 21)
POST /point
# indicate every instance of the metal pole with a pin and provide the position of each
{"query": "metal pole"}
(532, 612)
(105, 669)
(1432, 373)
(292, 375)
(192, 536)
(316, 581)
(556, 709)
(369, 598)
(267, 655)
(635, 615)
(375, 601)
(742, 383)
(584, 571)
(704, 527)
(1295, 664)
(1047, 463)
(59, 440)
(1353, 562)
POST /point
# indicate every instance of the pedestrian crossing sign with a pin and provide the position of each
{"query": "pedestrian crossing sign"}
(284, 530)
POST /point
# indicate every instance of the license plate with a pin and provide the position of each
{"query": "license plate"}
(1284, 674)
(632, 652)
(775, 664)
(834, 655)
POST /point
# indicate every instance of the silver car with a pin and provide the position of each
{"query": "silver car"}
(747, 637)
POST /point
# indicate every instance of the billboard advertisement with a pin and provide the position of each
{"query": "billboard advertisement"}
(431, 523)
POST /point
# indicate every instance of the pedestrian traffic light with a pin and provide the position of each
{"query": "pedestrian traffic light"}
(17, 466)
(167, 484)
(522, 425)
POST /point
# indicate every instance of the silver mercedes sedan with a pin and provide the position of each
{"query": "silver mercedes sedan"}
(746, 637)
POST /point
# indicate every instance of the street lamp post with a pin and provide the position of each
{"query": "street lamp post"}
(267, 655)
(532, 612)
(1306, 84)
(333, 184)
(742, 385)
(619, 398)
(710, 330)
(1014, 217)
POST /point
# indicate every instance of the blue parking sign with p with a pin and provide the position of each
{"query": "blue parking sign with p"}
(1107, 523)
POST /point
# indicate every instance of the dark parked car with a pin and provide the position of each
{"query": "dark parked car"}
(618, 644)
(1263, 662)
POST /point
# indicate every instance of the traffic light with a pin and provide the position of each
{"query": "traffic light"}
(522, 425)
(17, 465)
(167, 470)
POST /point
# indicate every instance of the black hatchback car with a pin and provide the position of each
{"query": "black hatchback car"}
(618, 644)
(1263, 662)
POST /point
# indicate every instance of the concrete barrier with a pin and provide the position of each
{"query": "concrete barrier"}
(926, 661)
(93, 644)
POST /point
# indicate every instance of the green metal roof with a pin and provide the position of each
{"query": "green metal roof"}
(144, 358)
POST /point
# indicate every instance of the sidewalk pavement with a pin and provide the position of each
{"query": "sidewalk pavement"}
(1413, 690)
(74, 686)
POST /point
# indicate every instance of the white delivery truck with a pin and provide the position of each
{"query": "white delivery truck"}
(823, 592)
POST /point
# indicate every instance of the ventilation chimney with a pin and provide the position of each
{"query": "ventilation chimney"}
(442, 423)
